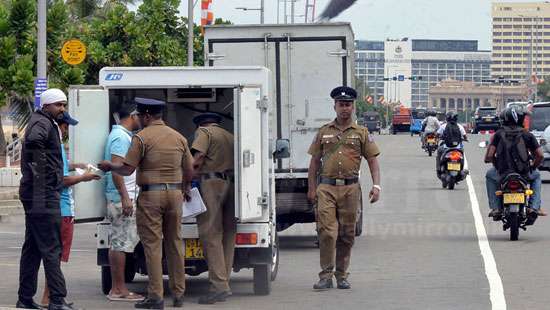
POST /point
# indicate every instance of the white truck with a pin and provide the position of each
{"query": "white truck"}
(306, 61)
(242, 96)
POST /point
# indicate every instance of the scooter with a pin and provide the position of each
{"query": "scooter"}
(451, 167)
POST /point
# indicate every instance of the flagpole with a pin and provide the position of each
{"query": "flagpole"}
(190, 33)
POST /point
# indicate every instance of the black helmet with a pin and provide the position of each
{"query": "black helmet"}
(513, 116)
(451, 117)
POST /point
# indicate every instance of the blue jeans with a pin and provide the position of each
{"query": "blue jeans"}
(492, 182)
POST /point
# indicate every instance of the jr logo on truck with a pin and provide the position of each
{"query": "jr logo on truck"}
(113, 77)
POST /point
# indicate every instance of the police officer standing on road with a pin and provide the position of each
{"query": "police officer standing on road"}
(213, 154)
(165, 169)
(336, 160)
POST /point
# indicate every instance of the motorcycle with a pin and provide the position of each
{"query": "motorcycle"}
(430, 144)
(451, 167)
(515, 192)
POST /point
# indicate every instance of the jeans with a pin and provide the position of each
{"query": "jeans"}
(492, 179)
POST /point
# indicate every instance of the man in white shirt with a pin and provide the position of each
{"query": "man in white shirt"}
(430, 125)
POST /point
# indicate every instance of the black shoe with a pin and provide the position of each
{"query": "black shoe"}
(150, 303)
(323, 284)
(61, 306)
(495, 213)
(213, 297)
(343, 284)
(27, 305)
(178, 301)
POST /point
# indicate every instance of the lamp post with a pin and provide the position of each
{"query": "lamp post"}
(261, 9)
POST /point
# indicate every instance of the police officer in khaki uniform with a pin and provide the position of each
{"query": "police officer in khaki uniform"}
(213, 153)
(165, 170)
(334, 185)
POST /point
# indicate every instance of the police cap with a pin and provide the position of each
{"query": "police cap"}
(343, 93)
(207, 118)
(150, 106)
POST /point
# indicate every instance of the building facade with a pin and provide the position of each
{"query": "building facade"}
(463, 96)
(416, 66)
(521, 40)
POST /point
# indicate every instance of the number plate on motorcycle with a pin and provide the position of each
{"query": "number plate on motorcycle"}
(515, 198)
(193, 249)
(432, 141)
(453, 166)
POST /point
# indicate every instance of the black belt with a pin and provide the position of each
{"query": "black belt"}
(216, 175)
(339, 182)
(160, 187)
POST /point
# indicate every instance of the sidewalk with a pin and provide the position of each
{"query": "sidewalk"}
(9, 204)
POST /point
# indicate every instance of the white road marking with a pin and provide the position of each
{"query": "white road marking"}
(496, 290)
(10, 233)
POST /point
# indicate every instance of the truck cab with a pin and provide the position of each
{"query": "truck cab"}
(241, 96)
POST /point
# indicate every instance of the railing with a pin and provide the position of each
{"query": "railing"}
(13, 152)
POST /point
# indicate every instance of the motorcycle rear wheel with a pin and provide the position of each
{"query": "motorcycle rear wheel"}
(513, 220)
(451, 185)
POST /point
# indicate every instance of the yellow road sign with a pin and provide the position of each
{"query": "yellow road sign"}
(73, 52)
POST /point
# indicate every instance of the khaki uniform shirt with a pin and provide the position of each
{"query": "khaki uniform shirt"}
(160, 153)
(345, 161)
(217, 144)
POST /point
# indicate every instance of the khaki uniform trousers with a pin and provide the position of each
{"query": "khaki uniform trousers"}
(217, 230)
(336, 217)
(158, 219)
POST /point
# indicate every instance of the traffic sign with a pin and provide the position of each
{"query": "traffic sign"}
(401, 78)
(40, 86)
(73, 52)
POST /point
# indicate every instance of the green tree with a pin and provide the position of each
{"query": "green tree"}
(543, 91)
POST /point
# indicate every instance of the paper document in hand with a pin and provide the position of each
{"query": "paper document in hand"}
(195, 206)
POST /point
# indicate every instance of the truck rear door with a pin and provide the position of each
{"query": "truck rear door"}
(249, 181)
(90, 105)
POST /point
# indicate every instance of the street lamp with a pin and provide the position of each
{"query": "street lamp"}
(261, 9)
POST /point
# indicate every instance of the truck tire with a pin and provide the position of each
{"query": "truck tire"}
(359, 223)
(262, 279)
(129, 268)
(106, 281)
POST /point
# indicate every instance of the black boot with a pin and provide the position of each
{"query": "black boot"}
(150, 303)
(30, 304)
(60, 306)
(323, 284)
(178, 301)
(213, 297)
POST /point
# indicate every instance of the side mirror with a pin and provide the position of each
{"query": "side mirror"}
(483, 144)
(282, 149)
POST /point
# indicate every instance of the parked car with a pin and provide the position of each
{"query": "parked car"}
(486, 118)
(537, 123)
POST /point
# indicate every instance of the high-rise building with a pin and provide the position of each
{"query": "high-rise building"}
(521, 40)
(416, 66)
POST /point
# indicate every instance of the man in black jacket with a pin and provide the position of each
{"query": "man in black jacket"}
(39, 192)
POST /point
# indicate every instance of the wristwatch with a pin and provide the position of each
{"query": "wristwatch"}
(377, 187)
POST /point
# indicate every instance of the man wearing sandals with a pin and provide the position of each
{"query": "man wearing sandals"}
(121, 195)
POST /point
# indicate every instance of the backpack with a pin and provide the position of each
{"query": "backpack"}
(512, 155)
(452, 135)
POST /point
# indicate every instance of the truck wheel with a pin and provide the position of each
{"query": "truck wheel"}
(359, 223)
(106, 281)
(262, 279)
(275, 264)
(129, 269)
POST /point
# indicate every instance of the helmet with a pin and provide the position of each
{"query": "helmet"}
(452, 117)
(432, 113)
(513, 116)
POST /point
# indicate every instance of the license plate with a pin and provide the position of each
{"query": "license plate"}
(488, 120)
(516, 198)
(431, 141)
(453, 166)
(193, 249)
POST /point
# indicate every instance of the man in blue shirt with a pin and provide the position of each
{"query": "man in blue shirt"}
(66, 198)
(121, 193)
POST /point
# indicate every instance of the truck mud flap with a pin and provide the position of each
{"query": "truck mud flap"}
(249, 257)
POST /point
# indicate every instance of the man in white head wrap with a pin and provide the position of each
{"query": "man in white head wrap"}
(39, 192)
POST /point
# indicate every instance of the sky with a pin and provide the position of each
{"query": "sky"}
(382, 19)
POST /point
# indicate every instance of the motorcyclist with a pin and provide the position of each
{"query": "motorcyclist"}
(452, 121)
(429, 125)
(512, 119)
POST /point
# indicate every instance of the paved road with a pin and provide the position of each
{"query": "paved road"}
(420, 251)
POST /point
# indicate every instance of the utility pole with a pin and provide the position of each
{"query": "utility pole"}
(190, 35)
(285, 11)
(262, 11)
(292, 10)
(41, 42)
